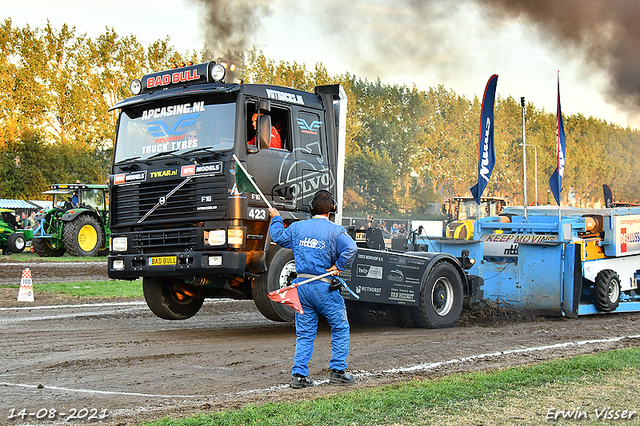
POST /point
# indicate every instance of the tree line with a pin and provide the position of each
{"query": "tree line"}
(406, 147)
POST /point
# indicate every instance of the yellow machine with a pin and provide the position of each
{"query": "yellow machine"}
(463, 211)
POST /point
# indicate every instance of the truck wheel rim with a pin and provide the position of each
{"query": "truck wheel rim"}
(181, 294)
(287, 274)
(442, 296)
(87, 238)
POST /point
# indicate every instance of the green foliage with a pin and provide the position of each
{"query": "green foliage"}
(369, 174)
(406, 148)
(55, 91)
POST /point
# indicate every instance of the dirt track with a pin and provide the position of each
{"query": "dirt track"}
(116, 356)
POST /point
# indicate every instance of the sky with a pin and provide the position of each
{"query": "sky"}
(459, 44)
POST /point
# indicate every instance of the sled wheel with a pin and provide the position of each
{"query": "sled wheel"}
(441, 298)
(606, 292)
(281, 271)
(169, 299)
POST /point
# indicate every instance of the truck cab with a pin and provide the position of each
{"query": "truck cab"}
(177, 217)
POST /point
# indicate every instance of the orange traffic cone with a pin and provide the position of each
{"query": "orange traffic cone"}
(25, 294)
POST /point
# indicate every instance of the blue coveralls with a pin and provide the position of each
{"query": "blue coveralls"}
(317, 244)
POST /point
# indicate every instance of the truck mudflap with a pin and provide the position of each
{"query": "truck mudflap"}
(474, 289)
(203, 264)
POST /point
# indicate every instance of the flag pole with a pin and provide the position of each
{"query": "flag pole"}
(317, 277)
(524, 155)
(252, 182)
(558, 148)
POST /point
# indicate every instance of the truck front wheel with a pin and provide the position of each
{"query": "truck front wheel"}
(441, 298)
(606, 293)
(83, 236)
(170, 300)
(281, 270)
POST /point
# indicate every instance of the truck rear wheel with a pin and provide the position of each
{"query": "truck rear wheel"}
(281, 270)
(43, 247)
(170, 300)
(83, 236)
(16, 242)
(441, 298)
(606, 293)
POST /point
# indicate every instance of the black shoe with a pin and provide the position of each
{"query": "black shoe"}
(299, 382)
(341, 378)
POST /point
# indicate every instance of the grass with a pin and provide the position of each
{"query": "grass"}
(109, 288)
(28, 257)
(529, 395)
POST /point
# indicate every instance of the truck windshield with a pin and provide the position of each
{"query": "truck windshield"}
(174, 128)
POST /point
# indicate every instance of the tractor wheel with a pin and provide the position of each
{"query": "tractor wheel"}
(606, 292)
(16, 243)
(441, 298)
(43, 247)
(170, 300)
(83, 236)
(281, 270)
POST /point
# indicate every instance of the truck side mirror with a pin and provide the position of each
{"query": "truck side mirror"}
(264, 135)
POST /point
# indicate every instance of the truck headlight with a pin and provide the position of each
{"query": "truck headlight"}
(119, 244)
(215, 238)
(117, 265)
(135, 87)
(235, 236)
(218, 72)
(215, 260)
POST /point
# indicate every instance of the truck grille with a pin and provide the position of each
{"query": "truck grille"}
(134, 201)
(173, 240)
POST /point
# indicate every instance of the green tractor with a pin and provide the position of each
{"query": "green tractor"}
(12, 240)
(77, 222)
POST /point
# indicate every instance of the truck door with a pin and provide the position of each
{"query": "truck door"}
(270, 167)
(313, 173)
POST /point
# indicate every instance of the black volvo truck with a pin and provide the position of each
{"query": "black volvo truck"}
(179, 221)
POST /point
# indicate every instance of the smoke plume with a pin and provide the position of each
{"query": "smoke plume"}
(605, 32)
(377, 38)
(229, 27)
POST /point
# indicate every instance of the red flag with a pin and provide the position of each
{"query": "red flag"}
(288, 296)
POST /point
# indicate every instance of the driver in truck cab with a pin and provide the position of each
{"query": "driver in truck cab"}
(275, 135)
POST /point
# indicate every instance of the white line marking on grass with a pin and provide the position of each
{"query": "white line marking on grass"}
(80, 305)
(71, 315)
(432, 365)
(96, 305)
(148, 395)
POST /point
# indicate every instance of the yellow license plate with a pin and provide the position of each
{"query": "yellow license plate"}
(162, 260)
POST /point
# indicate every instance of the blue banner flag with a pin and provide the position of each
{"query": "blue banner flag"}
(561, 149)
(486, 152)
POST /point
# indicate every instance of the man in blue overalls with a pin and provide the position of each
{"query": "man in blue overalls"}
(319, 246)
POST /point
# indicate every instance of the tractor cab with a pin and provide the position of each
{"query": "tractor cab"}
(463, 211)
